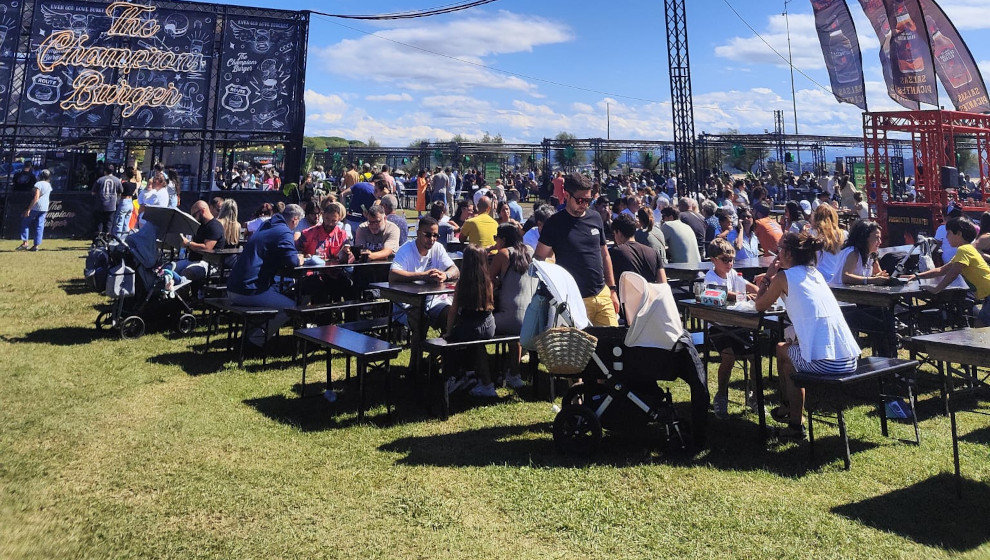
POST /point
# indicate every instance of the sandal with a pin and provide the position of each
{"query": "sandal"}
(781, 414)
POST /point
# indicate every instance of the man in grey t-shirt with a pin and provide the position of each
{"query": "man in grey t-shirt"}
(33, 217)
(107, 189)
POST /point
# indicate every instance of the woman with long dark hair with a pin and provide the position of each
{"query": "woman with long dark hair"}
(649, 232)
(470, 314)
(825, 344)
(464, 212)
(858, 262)
(514, 288)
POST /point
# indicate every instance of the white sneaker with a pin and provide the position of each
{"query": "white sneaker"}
(514, 380)
(454, 384)
(484, 391)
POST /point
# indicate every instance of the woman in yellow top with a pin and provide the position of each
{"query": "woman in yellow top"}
(960, 233)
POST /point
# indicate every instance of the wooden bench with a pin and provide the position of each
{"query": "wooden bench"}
(365, 349)
(834, 391)
(302, 314)
(243, 318)
(440, 348)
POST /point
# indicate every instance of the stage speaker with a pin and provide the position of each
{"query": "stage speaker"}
(948, 177)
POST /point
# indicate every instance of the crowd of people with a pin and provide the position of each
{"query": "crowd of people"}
(595, 231)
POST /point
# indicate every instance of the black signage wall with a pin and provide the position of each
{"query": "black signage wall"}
(258, 86)
(45, 91)
(182, 32)
(10, 22)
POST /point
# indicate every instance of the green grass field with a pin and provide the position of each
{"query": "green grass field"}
(147, 449)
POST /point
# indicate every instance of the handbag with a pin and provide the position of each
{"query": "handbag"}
(535, 321)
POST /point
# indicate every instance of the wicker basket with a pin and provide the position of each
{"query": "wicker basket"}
(565, 350)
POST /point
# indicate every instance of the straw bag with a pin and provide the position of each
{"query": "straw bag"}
(565, 350)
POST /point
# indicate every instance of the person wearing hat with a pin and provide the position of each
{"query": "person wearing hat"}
(821, 198)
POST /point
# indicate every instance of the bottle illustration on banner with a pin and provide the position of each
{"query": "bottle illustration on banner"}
(952, 66)
(840, 50)
(907, 44)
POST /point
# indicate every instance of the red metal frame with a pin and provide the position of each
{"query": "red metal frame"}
(933, 136)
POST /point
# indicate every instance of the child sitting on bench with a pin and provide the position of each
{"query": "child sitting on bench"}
(470, 315)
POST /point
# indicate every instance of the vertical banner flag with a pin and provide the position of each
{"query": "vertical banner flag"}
(876, 12)
(958, 72)
(910, 54)
(10, 24)
(840, 45)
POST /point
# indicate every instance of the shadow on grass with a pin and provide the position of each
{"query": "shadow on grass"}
(977, 436)
(76, 287)
(64, 336)
(194, 364)
(929, 513)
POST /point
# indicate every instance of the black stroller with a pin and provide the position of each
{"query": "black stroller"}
(618, 385)
(142, 290)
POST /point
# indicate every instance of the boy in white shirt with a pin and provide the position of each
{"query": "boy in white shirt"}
(728, 341)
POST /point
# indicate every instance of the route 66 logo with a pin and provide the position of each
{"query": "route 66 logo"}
(236, 98)
(45, 90)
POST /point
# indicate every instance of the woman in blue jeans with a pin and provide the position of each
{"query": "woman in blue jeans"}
(125, 206)
(33, 217)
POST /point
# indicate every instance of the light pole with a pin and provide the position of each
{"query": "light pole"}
(790, 63)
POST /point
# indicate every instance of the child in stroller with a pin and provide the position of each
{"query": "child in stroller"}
(618, 387)
(141, 289)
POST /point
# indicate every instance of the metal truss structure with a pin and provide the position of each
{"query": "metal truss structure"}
(934, 137)
(682, 103)
(20, 140)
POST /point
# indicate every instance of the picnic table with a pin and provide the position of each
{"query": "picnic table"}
(414, 295)
(970, 349)
(219, 257)
(911, 295)
(753, 321)
(689, 272)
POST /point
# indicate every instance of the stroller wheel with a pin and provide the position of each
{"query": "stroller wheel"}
(586, 394)
(132, 327)
(187, 323)
(104, 321)
(576, 430)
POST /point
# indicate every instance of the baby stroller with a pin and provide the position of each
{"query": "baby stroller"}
(618, 385)
(141, 289)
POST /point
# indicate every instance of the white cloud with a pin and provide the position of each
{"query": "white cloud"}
(967, 14)
(390, 97)
(805, 48)
(384, 60)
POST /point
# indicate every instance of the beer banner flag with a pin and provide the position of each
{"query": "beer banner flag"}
(910, 54)
(876, 12)
(837, 35)
(958, 72)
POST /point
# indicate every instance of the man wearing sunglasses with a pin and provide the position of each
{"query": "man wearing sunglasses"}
(209, 237)
(425, 260)
(576, 238)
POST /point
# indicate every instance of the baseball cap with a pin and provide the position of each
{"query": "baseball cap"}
(805, 207)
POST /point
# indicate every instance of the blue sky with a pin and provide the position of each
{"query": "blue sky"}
(360, 86)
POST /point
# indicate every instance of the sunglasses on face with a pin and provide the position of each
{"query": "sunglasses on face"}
(430, 235)
(581, 200)
(727, 260)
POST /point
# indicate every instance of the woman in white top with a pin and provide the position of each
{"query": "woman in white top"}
(825, 224)
(824, 345)
(858, 262)
(743, 238)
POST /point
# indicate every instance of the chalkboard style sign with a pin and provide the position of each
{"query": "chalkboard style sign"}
(10, 22)
(88, 59)
(258, 85)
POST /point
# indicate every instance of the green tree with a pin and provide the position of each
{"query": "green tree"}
(606, 160)
(568, 156)
(649, 161)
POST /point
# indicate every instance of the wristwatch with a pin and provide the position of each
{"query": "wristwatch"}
(613, 288)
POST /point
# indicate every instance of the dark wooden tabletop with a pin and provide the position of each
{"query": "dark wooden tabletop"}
(887, 296)
(964, 346)
(418, 288)
(344, 340)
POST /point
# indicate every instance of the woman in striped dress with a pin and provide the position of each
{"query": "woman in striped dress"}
(824, 344)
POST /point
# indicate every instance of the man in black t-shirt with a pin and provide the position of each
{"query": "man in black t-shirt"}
(24, 180)
(627, 254)
(576, 238)
(209, 237)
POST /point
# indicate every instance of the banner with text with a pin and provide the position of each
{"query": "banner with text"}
(911, 64)
(258, 86)
(840, 45)
(876, 12)
(89, 59)
(10, 24)
(956, 68)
